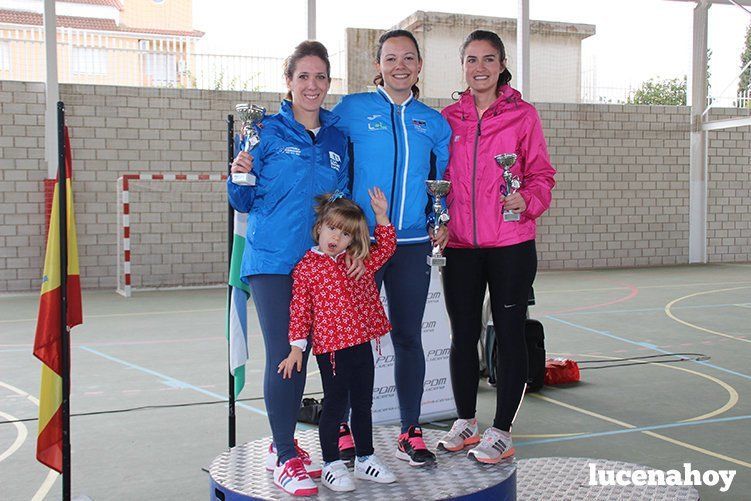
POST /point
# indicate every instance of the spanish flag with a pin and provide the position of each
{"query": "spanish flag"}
(47, 342)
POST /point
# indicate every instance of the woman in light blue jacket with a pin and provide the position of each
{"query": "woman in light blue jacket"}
(396, 143)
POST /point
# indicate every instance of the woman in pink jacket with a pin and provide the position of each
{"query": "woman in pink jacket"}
(486, 248)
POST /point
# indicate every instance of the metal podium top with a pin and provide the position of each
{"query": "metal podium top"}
(242, 470)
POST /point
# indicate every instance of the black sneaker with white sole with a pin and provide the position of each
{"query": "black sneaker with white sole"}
(412, 448)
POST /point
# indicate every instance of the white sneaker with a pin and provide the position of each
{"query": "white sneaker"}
(292, 478)
(313, 468)
(462, 433)
(336, 477)
(374, 470)
(495, 446)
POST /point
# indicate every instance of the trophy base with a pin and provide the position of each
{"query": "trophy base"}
(436, 260)
(511, 217)
(243, 179)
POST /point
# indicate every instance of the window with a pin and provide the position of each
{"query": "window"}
(89, 61)
(4, 56)
(160, 67)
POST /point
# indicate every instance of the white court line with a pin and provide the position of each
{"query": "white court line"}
(743, 305)
(19, 391)
(133, 314)
(541, 291)
(22, 433)
(41, 493)
(640, 287)
(52, 475)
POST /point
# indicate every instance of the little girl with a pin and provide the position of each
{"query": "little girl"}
(343, 315)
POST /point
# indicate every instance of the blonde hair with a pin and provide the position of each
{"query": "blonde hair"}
(346, 215)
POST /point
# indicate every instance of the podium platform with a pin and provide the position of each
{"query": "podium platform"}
(240, 474)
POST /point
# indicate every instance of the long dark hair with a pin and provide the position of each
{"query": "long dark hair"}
(497, 43)
(378, 80)
(304, 49)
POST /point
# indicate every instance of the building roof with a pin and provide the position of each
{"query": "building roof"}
(87, 23)
(107, 3)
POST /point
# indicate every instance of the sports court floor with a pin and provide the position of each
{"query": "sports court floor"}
(149, 376)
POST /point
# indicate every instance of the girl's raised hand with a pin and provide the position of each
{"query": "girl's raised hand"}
(379, 204)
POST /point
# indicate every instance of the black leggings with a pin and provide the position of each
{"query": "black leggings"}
(509, 273)
(352, 383)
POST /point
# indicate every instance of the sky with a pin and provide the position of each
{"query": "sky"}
(635, 39)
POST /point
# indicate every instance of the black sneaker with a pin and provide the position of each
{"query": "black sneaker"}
(346, 445)
(412, 448)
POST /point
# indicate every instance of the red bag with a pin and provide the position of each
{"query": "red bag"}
(560, 371)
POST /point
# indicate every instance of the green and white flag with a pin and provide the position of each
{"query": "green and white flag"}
(237, 316)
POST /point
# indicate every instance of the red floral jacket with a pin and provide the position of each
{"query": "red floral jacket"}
(339, 312)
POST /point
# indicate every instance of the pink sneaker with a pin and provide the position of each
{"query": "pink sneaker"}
(346, 444)
(292, 478)
(313, 469)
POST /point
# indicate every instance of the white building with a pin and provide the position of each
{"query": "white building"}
(555, 54)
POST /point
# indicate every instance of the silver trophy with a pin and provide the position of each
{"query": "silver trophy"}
(438, 189)
(250, 116)
(511, 182)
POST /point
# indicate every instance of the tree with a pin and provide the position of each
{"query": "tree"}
(654, 91)
(745, 81)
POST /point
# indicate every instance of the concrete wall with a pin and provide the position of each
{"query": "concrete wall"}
(361, 47)
(621, 198)
(729, 191)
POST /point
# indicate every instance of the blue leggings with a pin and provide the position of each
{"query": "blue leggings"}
(272, 295)
(407, 279)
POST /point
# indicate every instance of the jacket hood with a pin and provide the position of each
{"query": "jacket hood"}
(508, 98)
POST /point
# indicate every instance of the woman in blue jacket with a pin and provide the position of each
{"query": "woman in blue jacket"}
(396, 143)
(301, 154)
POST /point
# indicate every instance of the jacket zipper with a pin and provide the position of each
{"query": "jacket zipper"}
(313, 164)
(396, 155)
(474, 180)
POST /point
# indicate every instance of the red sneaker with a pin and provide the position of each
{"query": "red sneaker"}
(346, 444)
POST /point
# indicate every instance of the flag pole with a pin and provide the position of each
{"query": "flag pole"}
(230, 239)
(64, 335)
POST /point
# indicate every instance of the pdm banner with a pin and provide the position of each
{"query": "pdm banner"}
(437, 399)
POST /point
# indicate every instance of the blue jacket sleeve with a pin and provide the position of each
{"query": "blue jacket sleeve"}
(241, 198)
(341, 111)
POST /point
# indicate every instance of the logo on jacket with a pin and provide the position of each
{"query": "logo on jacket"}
(290, 150)
(375, 124)
(336, 160)
(420, 125)
(457, 138)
